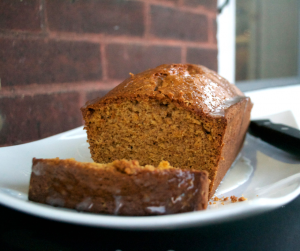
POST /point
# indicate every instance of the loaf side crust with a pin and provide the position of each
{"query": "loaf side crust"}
(238, 119)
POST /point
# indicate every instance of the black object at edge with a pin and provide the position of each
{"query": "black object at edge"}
(220, 9)
(281, 136)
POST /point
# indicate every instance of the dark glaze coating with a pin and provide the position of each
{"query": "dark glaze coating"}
(192, 86)
(120, 188)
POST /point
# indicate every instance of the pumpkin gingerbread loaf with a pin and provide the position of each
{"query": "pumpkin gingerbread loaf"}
(185, 114)
(121, 187)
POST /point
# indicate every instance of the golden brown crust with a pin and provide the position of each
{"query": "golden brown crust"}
(191, 86)
(121, 187)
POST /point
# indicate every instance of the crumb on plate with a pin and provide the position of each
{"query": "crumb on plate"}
(216, 198)
(233, 199)
(242, 198)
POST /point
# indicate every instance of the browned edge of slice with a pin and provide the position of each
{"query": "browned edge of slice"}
(121, 187)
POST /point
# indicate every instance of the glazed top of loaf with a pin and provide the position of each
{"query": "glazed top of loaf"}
(192, 86)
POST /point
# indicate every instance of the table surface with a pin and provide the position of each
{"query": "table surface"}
(274, 230)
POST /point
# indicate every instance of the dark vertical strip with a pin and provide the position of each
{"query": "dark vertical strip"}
(258, 60)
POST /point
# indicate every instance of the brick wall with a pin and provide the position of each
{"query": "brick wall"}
(57, 54)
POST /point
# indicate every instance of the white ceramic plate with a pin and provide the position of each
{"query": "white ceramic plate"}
(266, 176)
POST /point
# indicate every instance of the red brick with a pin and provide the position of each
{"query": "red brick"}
(124, 58)
(37, 61)
(89, 16)
(206, 57)
(95, 94)
(20, 15)
(31, 118)
(176, 24)
(209, 4)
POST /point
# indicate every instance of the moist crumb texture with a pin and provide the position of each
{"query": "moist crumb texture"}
(184, 114)
(120, 188)
(153, 131)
